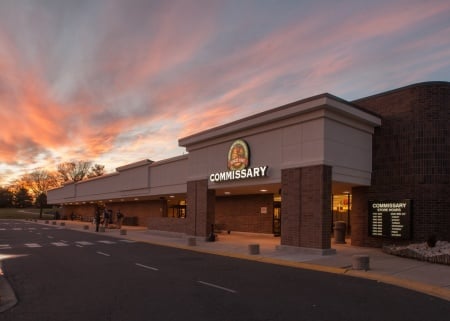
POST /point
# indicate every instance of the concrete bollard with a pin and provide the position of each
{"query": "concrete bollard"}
(101, 229)
(62, 224)
(86, 227)
(360, 262)
(123, 232)
(192, 241)
(253, 249)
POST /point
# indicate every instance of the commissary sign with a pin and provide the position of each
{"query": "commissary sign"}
(238, 165)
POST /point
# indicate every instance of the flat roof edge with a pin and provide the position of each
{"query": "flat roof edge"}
(295, 108)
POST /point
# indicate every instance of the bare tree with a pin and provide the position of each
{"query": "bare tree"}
(73, 171)
(96, 170)
(39, 182)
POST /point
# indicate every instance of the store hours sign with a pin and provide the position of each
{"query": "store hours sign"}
(390, 219)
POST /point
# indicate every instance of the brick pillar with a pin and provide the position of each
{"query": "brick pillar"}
(360, 219)
(200, 209)
(306, 207)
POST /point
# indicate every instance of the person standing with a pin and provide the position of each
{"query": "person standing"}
(106, 218)
(119, 219)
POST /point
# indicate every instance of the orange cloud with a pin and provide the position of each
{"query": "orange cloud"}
(123, 82)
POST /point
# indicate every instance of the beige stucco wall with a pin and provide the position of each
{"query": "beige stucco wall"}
(319, 131)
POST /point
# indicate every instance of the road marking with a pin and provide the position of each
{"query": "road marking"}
(147, 267)
(102, 253)
(5, 246)
(127, 241)
(84, 243)
(107, 242)
(217, 286)
(60, 244)
(32, 245)
(50, 237)
(17, 229)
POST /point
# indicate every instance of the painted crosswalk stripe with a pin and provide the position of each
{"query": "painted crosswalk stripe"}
(107, 242)
(32, 245)
(84, 243)
(60, 244)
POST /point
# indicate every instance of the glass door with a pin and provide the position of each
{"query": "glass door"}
(276, 227)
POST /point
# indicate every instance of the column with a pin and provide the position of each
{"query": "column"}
(200, 209)
(306, 207)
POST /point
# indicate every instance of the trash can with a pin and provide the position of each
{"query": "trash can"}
(339, 232)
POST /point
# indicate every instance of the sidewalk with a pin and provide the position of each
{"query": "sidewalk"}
(428, 278)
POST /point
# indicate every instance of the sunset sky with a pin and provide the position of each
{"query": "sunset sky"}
(119, 81)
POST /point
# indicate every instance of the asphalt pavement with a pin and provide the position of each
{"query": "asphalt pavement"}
(428, 278)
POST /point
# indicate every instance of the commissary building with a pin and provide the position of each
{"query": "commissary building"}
(378, 166)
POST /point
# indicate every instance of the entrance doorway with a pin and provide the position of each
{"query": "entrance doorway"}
(276, 227)
(342, 207)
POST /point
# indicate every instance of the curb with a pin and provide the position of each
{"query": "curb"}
(8, 298)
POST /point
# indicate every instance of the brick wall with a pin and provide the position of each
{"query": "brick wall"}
(143, 210)
(411, 157)
(306, 207)
(200, 208)
(168, 224)
(243, 213)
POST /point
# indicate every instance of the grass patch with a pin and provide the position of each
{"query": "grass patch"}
(23, 213)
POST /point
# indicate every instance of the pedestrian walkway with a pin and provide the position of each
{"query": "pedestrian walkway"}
(428, 278)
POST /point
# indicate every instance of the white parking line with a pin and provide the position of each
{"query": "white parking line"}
(217, 286)
(102, 253)
(32, 245)
(147, 267)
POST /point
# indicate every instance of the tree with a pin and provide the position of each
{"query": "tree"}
(6, 197)
(39, 182)
(96, 170)
(23, 198)
(73, 171)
